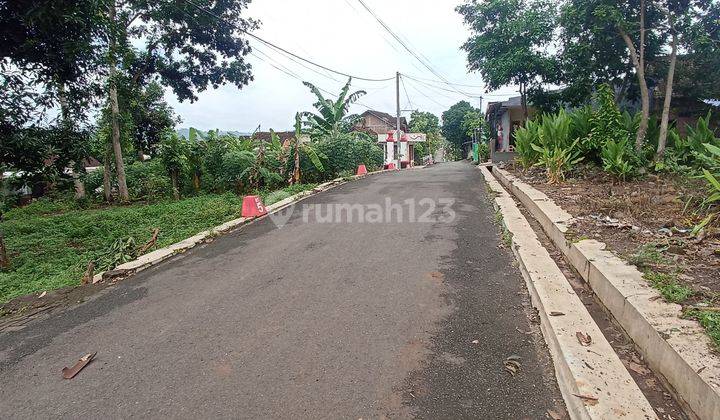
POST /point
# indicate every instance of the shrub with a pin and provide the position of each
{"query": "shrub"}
(581, 126)
(712, 178)
(483, 151)
(607, 124)
(557, 159)
(346, 152)
(147, 181)
(527, 156)
(617, 159)
(236, 166)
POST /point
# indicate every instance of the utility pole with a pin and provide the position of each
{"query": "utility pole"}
(397, 132)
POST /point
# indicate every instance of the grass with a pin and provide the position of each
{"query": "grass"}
(507, 238)
(710, 321)
(647, 255)
(50, 243)
(669, 287)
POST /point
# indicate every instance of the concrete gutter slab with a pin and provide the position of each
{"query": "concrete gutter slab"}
(675, 348)
(592, 379)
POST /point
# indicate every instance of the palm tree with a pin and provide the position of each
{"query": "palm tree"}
(333, 115)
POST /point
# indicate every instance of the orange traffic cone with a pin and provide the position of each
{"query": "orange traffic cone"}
(253, 206)
(361, 170)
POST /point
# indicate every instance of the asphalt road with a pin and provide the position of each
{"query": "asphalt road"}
(318, 319)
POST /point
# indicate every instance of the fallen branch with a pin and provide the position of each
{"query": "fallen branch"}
(150, 244)
(89, 274)
(706, 309)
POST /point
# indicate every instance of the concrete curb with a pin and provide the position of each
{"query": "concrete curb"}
(155, 257)
(593, 371)
(677, 349)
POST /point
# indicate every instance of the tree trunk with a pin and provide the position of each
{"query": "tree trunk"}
(107, 187)
(115, 114)
(4, 261)
(523, 101)
(662, 140)
(296, 171)
(638, 60)
(196, 181)
(79, 185)
(65, 114)
(174, 179)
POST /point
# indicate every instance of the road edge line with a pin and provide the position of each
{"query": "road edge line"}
(593, 381)
(157, 256)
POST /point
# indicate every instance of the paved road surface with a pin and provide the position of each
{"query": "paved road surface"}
(314, 320)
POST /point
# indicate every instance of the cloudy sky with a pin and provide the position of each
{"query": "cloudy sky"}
(342, 35)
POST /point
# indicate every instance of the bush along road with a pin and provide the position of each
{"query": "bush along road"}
(408, 313)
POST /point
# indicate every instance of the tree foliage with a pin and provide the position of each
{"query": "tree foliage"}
(453, 118)
(332, 115)
(508, 42)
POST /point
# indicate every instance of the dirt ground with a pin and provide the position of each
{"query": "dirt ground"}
(648, 222)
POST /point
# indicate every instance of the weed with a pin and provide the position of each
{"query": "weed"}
(507, 237)
(648, 255)
(668, 286)
(498, 217)
(710, 321)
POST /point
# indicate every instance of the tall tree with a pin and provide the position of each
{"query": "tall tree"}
(591, 53)
(452, 120)
(637, 56)
(47, 53)
(429, 124)
(332, 115)
(684, 21)
(611, 42)
(508, 41)
(186, 46)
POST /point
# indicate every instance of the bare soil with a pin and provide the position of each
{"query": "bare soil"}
(648, 222)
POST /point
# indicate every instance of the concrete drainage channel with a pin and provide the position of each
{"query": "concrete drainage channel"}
(677, 350)
(592, 379)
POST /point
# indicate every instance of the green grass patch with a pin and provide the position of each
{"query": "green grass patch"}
(648, 255)
(710, 321)
(669, 287)
(51, 243)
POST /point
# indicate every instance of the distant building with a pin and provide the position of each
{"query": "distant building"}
(504, 118)
(376, 122)
(267, 136)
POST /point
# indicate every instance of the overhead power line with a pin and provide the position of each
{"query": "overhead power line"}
(450, 83)
(424, 62)
(428, 97)
(469, 95)
(406, 93)
(276, 47)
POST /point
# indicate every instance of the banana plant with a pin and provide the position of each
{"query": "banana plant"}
(331, 115)
(265, 170)
(298, 147)
(196, 151)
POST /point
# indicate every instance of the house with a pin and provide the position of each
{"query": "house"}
(406, 151)
(267, 136)
(504, 117)
(376, 122)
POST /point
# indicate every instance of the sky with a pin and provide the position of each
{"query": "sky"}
(342, 35)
